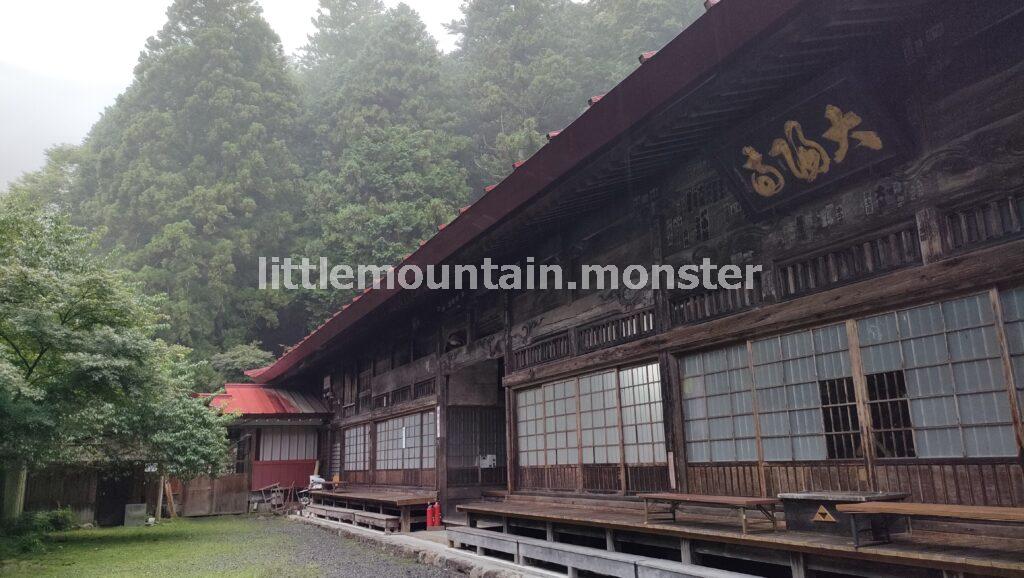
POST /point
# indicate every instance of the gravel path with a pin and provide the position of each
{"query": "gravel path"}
(318, 552)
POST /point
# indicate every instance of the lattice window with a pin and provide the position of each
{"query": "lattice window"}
(643, 430)
(560, 435)
(1013, 318)
(787, 373)
(423, 388)
(700, 306)
(357, 448)
(530, 426)
(407, 443)
(411, 442)
(548, 433)
(880, 254)
(890, 415)
(428, 440)
(389, 444)
(400, 395)
(337, 455)
(985, 222)
(599, 419)
(718, 406)
(949, 357)
(839, 412)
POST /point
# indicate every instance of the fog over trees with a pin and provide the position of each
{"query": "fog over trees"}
(222, 150)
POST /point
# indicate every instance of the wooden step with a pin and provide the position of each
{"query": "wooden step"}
(385, 522)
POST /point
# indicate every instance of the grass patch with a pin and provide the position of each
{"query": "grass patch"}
(225, 546)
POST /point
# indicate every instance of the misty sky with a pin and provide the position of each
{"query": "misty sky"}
(63, 61)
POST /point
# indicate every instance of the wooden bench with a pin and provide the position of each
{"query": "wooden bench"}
(765, 506)
(385, 522)
(331, 512)
(577, 558)
(880, 516)
(652, 568)
(484, 540)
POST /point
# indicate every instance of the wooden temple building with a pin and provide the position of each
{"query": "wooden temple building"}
(869, 156)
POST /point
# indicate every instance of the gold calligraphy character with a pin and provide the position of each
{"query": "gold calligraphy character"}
(810, 158)
(842, 129)
(766, 180)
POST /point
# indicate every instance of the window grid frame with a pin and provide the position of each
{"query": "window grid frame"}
(743, 369)
(407, 442)
(526, 399)
(817, 378)
(1006, 330)
(356, 438)
(949, 364)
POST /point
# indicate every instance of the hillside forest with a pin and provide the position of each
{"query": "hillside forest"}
(224, 148)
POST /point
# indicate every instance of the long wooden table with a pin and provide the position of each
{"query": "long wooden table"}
(402, 501)
(881, 514)
(766, 506)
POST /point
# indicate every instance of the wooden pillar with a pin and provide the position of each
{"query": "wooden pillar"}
(609, 539)
(441, 463)
(798, 564)
(549, 528)
(685, 551)
(511, 436)
(672, 407)
(623, 484)
(929, 233)
(15, 478)
(1008, 377)
(405, 518)
(762, 477)
(860, 390)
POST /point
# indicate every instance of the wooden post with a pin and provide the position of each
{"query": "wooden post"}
(170, 500)
(762, 477)
(15, 478)
(929, 234)
(609, 539)
(675, 433)
(1011, 387)
(860, 390)
(160, 498)
(798, 564)
(685, 551)
(405, 519)
(623, 484)
(511, 436)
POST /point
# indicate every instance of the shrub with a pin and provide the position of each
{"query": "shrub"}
(62, 519)
(32, 523)
(29, 543)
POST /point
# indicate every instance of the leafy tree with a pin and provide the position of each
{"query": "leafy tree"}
(529, 66)
(620, 30)
(519, 60)
(389, 165)
(191, 176)
(231, 364)
(82, 376)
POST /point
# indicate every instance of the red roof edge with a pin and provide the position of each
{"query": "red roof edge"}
(682, 64)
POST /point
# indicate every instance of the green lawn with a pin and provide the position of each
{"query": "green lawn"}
(226, 546)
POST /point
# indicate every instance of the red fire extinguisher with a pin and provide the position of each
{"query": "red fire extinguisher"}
(434, 515)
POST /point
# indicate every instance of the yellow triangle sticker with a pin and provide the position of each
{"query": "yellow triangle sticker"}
(822, 515)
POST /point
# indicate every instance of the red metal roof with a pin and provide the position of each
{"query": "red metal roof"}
(678, 67)
(250, 399)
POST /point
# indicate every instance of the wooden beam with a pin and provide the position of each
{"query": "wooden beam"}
(954, 275)
(861, 396)
(1008, 377)
(170, 500)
